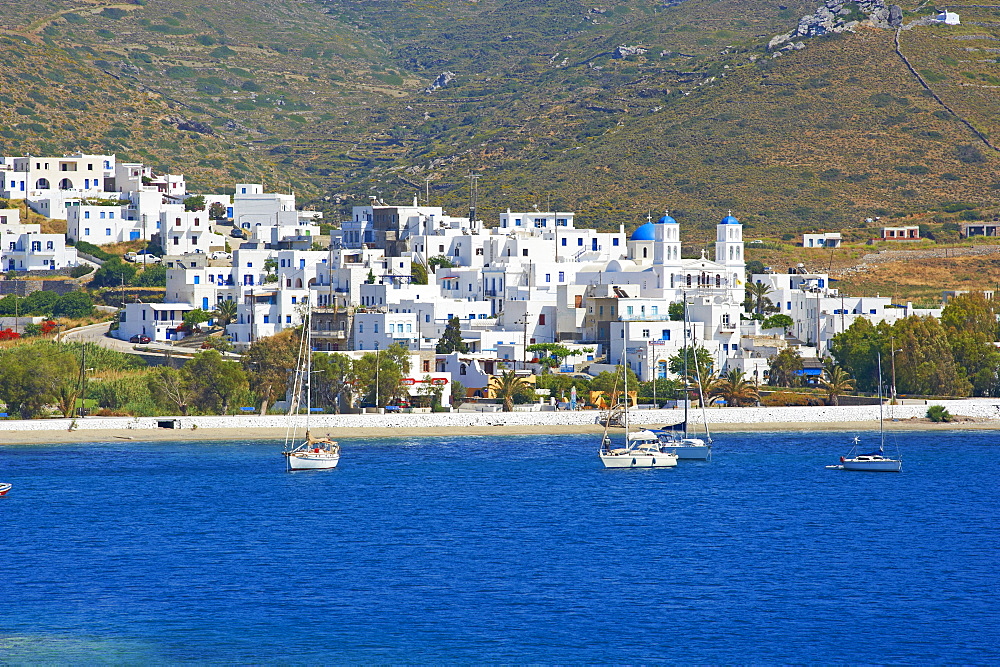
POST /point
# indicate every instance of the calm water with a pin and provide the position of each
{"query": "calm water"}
(500, 549)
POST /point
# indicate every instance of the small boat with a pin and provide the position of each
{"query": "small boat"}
(686, 448)
(4, 488)
(875, 461)
(312, 453)
(642, 449)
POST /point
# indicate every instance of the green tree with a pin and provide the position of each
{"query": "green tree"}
(759, 302)
(194, 203)
(225, 312)
(418, 273)
(153, 275)
(451, 339)
(970, 323)
(924, 361)
(332, 384)
(554, 353)
(170, 388)
(439, 261)
(704, 368)
(214, 382)
(193, 319)
(506, 387)
(270, 363)
(33, 376)
(74, 305)
(735, 389)
(382, 388)
(42, 302)
(783, 368)
(856, 351)
(217, 211)
(457, 393)
(779, 321)
(676, 311)
(836, 382)
(113, 272)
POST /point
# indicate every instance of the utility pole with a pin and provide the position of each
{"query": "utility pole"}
(892, 357)
(376, 376)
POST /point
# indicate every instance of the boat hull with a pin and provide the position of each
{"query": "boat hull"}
(691, 452)
(4, 488)
(877, 465)
(312, 460)
(639, 460)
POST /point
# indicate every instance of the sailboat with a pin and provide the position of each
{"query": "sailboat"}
(642, 449)
(875, 461)
(5, 487)
(311, 453)
(687, 447)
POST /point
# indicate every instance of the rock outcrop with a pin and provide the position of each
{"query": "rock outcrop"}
(836, 16)
(442, 80)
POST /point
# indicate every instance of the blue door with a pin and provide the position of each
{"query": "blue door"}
(133, 236)
(204, 303)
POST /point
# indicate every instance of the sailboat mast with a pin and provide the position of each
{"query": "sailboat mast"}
(687, 394)
(625, 373)
(308, 335)
(881, 426)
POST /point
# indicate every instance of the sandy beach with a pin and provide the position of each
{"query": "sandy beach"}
(978, 415)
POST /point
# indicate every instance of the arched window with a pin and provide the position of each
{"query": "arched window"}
(49, 245)
(65, 184)
(644, 251)
(42, 184)
(461, 369)
(689, 280)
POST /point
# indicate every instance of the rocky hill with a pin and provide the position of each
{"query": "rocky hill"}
(795, 115)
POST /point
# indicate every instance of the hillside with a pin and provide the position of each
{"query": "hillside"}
(330, 97)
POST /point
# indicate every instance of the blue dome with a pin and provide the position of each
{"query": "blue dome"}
(643, 233)
(729, 220)
(666, 220)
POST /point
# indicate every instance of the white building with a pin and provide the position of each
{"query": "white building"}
(33, 251)
(824, 240)
(48, 183)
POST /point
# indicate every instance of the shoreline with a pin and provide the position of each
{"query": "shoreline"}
(99, 432)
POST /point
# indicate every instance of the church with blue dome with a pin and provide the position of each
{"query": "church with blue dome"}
(656, 247)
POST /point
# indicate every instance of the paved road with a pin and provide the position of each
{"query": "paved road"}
(97, 333)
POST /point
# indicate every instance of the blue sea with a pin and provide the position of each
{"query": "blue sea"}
(503, 549)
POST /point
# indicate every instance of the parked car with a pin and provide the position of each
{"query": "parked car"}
(219, 254)
(139, 339)
(238, 233)
(130, 256)
(147, 258)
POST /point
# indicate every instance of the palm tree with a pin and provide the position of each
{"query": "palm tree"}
(836, 383)
(506, 386)
(735, 389)
(224, 313)
(757, 292)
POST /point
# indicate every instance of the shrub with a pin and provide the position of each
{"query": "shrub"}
(80, 270)
(938, 413)
(781, 398)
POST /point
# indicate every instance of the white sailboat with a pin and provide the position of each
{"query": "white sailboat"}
(642, 449)
(687, 447)
(311, 453)
(875, 461)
